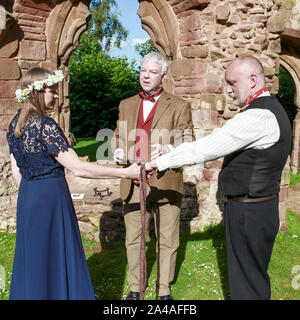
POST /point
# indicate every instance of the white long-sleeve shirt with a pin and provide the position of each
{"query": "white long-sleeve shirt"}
(254, 128)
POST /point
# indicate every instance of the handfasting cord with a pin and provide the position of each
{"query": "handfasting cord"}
(143, 263)
(156, 212)
(155, 209)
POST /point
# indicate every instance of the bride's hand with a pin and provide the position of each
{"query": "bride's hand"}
(133, 171)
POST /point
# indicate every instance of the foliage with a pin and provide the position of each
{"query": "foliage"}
(104, 28)
(294, 179)
(145, 48)
(286, 93)
(97, 85)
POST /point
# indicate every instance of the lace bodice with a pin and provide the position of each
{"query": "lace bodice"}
(34, 150)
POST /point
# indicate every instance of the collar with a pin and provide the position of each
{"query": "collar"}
(261, 93)
(145, 96)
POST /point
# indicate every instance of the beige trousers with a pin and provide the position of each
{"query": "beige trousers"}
(169, 239)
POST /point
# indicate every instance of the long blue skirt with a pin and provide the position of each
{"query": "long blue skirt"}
(49, 261)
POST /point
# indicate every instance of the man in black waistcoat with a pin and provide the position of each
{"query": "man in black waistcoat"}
(256, 143)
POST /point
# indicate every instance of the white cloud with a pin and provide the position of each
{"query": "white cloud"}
(136, 41)
(123, 44)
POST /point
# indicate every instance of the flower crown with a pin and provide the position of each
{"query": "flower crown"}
(39, 85)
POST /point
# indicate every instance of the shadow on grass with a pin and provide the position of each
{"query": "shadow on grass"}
(108, 268)
(217, 235)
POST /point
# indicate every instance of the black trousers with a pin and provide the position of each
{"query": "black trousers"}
(251, 228)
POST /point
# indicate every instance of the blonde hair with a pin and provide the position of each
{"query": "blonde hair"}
(36, 101)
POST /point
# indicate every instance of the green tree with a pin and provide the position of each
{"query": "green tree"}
(145, 48)
(286, 93)
(97, 84)
(105, 29)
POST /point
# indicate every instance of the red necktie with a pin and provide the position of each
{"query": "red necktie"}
(145, 96)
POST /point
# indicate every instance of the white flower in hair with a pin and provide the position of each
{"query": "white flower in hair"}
(54, 77)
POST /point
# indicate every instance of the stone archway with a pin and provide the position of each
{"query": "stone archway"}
(159, 20)
(292, 65)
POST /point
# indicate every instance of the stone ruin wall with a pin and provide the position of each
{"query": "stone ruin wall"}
(199, 37)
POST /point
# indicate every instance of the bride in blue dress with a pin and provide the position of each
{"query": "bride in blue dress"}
(49, 259)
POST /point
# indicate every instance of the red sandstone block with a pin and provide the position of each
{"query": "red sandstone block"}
(40, 26)
(34, 36)
(210, 174)
(194, 37)
(8, 106)
(19, 9)
(205, 119)
(184, 5)
(41, 5)
(200, 67)
(32, 17)
(8, 89)
(191, 23)
(3, 144)
(217, 164)
(9, 69)
(32, 50)
(182, 91)
(283, 194)
(4, 121)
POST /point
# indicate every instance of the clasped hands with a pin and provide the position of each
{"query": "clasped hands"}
(150, 166)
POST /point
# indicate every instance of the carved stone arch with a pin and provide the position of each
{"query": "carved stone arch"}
(292, 65)
(160, 21)
(65, 25)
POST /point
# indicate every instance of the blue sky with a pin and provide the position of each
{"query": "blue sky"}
(136, 34)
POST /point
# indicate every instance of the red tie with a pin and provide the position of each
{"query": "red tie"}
(145, 96)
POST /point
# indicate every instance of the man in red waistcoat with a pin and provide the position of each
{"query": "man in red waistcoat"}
(157, 119)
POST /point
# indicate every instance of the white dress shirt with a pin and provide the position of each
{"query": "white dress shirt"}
(254, 128)
(147, 107)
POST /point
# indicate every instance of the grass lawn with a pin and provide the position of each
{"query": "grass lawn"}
(200, 271)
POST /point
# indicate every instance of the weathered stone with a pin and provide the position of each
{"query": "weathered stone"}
(181, 68)
(9, 69)
(269, 71)
(195, 51)
(193, 37)
(275, 46)
(248, 3)
(4, 121)
(8, 88)
(233, 19)
(222, 13)
(283, 194)
(32, 50)
(205, 119)
(276, 24)
(41, 5)
(184, 5)
(288, 4)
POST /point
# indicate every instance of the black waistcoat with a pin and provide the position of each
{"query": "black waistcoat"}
(254, 172)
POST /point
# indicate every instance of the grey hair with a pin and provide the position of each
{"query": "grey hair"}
(156, 56)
